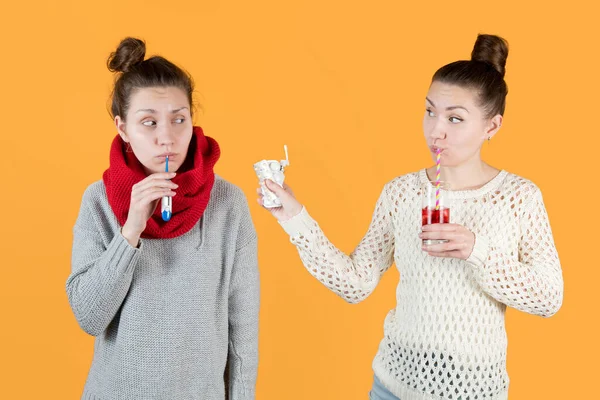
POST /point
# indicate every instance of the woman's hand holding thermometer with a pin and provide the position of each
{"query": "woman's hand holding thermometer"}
(145, 196)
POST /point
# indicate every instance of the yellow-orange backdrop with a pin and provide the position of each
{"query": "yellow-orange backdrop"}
(343, 84)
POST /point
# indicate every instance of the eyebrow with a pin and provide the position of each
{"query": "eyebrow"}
(152, 111)
(447, 108)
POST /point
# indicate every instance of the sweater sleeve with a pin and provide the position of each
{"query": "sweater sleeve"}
(352, 277)
(243, 314)
(101, 274)
(534, 282)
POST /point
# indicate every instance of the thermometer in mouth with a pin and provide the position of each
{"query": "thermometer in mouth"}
(166, 208)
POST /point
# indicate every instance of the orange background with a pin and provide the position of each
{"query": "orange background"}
(343, 85)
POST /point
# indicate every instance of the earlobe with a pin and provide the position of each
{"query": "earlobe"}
(494, 127)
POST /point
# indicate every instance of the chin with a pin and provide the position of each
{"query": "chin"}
(448, 164)
(149, 170)
(444, 162)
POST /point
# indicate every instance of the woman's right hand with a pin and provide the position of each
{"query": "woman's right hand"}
(290, 207)
(145, 196)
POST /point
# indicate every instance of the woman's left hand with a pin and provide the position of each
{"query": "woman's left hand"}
(460, 240)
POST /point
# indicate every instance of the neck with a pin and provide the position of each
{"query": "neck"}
(469, 175)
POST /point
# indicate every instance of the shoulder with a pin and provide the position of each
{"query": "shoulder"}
(95, 210)
(94, 195)
(410, 179)
(403, 186)
(519, 193)
(519, 187)
(226, 193)
(228, 202)
(229, 206)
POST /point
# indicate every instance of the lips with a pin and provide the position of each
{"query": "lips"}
(434, 149)
(163, 156)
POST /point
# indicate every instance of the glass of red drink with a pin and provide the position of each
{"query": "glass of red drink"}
(435, 207)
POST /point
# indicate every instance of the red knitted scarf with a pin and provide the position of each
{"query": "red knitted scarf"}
(195, 179)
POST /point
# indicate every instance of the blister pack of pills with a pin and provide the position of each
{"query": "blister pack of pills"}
(274, 170)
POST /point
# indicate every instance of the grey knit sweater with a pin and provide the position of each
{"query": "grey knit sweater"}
(172, 314)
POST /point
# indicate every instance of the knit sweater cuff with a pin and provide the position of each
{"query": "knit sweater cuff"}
(139, 243)
(122, 254)
(480, 251)
(299, 224)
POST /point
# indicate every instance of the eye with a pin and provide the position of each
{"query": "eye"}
(455, 120)
(180, 120)
(149, 123)
(430, 113)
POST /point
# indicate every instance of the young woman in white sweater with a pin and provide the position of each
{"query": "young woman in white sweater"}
(446, 337)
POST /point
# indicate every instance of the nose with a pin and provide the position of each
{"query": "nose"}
(165, 136)
(437, 132)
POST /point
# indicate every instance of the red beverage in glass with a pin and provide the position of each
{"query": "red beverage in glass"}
(435, 197)
(432, 216)
(429, 215)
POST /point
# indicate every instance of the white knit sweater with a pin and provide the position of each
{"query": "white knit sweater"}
(446, 337)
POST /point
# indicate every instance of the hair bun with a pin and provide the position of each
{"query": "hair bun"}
(492, 50)
(131, 51)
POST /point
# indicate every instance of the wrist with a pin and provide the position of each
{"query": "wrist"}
(299, 224)
(131, 235)
(292, 213)
(480, 251)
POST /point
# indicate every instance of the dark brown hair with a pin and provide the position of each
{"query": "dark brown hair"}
(484, 72)
(136, 73)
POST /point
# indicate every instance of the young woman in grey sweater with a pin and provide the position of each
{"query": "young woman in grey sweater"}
(173, 304)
